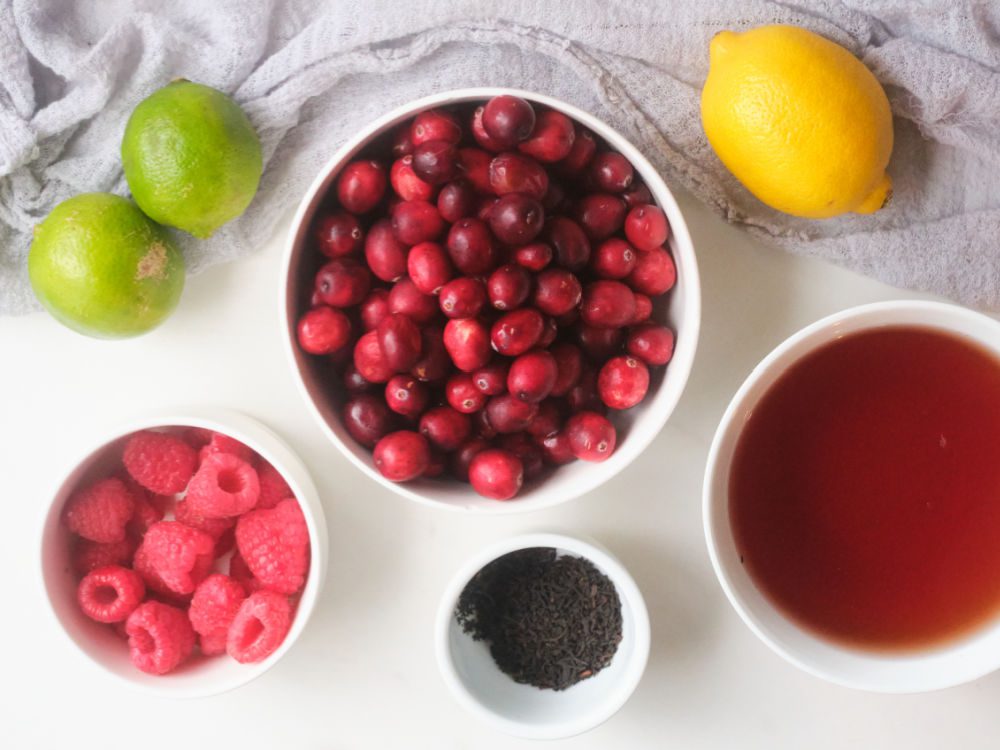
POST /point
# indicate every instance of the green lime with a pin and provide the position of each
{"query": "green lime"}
(101, 267)
(191, 157)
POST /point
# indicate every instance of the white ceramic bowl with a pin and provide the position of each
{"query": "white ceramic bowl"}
(522, 710)
(98, 642)
(941, 667)
(636, 427)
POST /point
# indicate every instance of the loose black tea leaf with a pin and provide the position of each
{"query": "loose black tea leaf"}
(550, 620)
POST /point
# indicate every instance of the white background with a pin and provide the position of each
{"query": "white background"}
(363, 674)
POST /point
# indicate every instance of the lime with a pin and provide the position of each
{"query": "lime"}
(191, 157)
(101, 267)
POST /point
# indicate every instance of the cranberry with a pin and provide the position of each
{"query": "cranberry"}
(557, 291)
(646, 227)
(591, 436)
(463, 297)
(492, 379)
(534, 257)
(446, 428)
(373, 308)
(516, 218)
(436, 162)
(580, 154)
(399, 338)
(463, 395)
(405, 182)
(467, 342)
(461, 458)
(611, 172)
(556, 449)
(437, 465)
(342, 282)
(434, 364)
(527, 450)
(404, 297)
(339, 234)
(370, 361)
(367, 419)
(475, 166)
(568, 319)
(623, 382)
(654, 272)
(651, 343)
(569, 365)
(406, 395)
(600, 215)
(607, 304)
(416, 221)
(361, 186)
(613, 259)
(643, 308)
(547, 421)
(508, 287)
(323, 330)
(435, 125)
(511, 172)
(517, 331)
(401, 143)
(507, 413)
(496, 474)
(552, 138)
(556, 200)
(429, 267)
(485, 207)
(571, 244)
(456, 200)
(480, 135)
(636, 195)
(599, 343)
(354, 381)
(402, 456)
(471, 247)
(549, 333)
(532, 376)
(508, 120)
(385, 254)
(484, 429)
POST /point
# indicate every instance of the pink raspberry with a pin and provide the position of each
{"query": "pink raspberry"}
(226, 542)
(224, 485)
(144, 516)
(101, 511)
(273, 487)
(240, 571)
(196, 437)
(220, 443)
(259, 627)
(213, 607)
(109, 594)
(213, 644)
(159, 637)
(160, 462)
(275, 545)
(174, 556)
(214, 527)
(88, 555)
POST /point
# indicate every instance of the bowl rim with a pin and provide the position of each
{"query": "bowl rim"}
(628, 591)
(263, 441)
(679, 369)
(903, 676)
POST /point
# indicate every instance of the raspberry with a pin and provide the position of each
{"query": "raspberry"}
(159, 462)
(213, 644)
(214, 527)
(240, 571)
(175, 557)
(214, 605)
(275, 545)
(88, 555)
(220, 443)
(224, 485)
(197, 437)
(259, 627)
(225, 542)
(159, 637)
(101, 511)
(144, 516)
(109, 594)
(273, 487)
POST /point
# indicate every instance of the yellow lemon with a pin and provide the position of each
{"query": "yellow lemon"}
(799, 120)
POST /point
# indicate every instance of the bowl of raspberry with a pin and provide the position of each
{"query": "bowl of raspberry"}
(185, 554)
(491, 300)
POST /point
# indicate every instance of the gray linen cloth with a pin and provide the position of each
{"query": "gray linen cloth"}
(310, 74)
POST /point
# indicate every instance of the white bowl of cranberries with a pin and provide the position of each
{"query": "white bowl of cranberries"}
(492, 300)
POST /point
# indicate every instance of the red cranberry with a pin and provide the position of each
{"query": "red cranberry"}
(547, 421)
(570, 318)
(654, 272)
(549, 333)
(591, 436)
(401, 143)
(613, 259)
(471, 247)
(556, 449)
(402, 456)
(637, 195)
(461, 458)
(463, 297)
(552, 138)
(492, 379)
(511, 172)
(435, 125)
(516, 218)
(569, 365)
(370, 361)
(485, 207)
(571, 244)
(623, 382)
(643, 308)
(436, 162)
(480, 135)
(405, 182)
(429, 267)
(534, 257)
(463, 395)
(446, 428)
(406, 395)
(373, 308)
(354, 381)
(600, 215)
(467, 342)
(342, 282)
(361, 186)
(475, 166)
(416, 221)
(611, 172)
(651, 343)
(599, 343)
(517, 331)
(323, 330)
(404, 297)
(532, 376)
(556, 200)
(399, 338)
(526, 449)
(581, 153)
(434, 364)
(607, 304)
(385, 254)
(367, 419)
(481, 422)
(508, 120)
(496, 474)
(457, 200)
(507, 413)
(646, 227)
(339, 234)
(508, 287)
(437, 465)
(557, 291)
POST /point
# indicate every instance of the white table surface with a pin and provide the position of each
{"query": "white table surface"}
(363, 674)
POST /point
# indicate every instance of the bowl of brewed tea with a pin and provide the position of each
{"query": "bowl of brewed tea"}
(852, 497)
